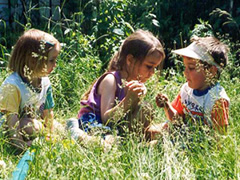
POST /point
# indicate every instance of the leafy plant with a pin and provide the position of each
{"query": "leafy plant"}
(204, 29)
(85, 51)
(223, 22)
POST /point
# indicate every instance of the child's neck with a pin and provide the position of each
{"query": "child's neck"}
(204, 91)
(34, 82)
(124, 75)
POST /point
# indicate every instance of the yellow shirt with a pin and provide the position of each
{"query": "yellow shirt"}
(10, 98)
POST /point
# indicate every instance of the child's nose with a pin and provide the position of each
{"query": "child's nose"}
(152, 71)
(185, 72)
(54, 64)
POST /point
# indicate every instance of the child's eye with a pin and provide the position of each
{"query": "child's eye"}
(149, 67)
(189, 68)
(52, 60)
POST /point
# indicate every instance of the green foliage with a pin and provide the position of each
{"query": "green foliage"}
(4, 57)
(110, 28)
(223, 22)
(204, 29)
(69, 79)
(90, 35)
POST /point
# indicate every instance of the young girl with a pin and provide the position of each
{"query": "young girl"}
(26, 94)
(110, 99)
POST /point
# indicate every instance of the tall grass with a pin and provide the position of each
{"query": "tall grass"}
(195, 155)
(132, 158)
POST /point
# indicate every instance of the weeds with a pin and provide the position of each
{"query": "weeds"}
(189, 155)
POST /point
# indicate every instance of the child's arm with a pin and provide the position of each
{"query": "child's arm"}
(48, 110)
(107, 89)
(162, 101)
(48, 119)
(10, 99)
(14, 131)
(219, 115)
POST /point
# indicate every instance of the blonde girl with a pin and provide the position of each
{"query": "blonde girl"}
(26, 101)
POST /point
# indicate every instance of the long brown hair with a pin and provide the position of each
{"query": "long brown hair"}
(30, 52)
(139, 44)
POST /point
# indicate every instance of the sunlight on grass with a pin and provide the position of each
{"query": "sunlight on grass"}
(132, 158)
(192, 154)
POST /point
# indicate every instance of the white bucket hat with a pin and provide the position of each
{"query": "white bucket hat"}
(196, 51)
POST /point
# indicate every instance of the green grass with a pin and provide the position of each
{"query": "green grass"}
(78, 66)
(132, 158)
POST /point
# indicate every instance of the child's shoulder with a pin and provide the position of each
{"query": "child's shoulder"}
(110, 73)
(107, 78)
(46, 81)
(185, 87)
(13, 79)
(218, 92)
(111, 76)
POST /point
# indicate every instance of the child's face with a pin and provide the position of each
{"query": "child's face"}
(52, 58)
(143, 71)
(195, 74)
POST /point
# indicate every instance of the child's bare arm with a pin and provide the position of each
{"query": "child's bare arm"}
(48, 118)
(14, 131)
(163, 101)
(219, 115)
(107, 90)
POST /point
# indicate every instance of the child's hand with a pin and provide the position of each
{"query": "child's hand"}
(155, 129)
(136, 89)
(161, 100)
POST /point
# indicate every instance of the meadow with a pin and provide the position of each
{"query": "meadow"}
(194, 154)
(213, 157)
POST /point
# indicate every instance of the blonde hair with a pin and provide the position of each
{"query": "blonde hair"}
(30, 52)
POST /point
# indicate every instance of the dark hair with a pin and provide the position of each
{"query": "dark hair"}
(217, 49)
(30, 52)
(139, 44)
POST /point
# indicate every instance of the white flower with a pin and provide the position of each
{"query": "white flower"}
(2, 164)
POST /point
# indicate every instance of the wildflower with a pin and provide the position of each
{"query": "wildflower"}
(2, 164)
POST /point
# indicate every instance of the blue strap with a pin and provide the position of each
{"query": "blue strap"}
(21, 170)
(1, 119)
(1, 122)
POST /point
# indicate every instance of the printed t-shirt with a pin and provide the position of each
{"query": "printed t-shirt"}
(18, 97)
(199, 104)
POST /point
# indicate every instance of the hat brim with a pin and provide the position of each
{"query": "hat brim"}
(187, 52)
(196, 52)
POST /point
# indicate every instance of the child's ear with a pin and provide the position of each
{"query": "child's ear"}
(130, 59)
(213, 70)
(32, 63)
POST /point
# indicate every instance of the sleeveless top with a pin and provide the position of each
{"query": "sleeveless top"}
(37, 101)
(93, 104)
